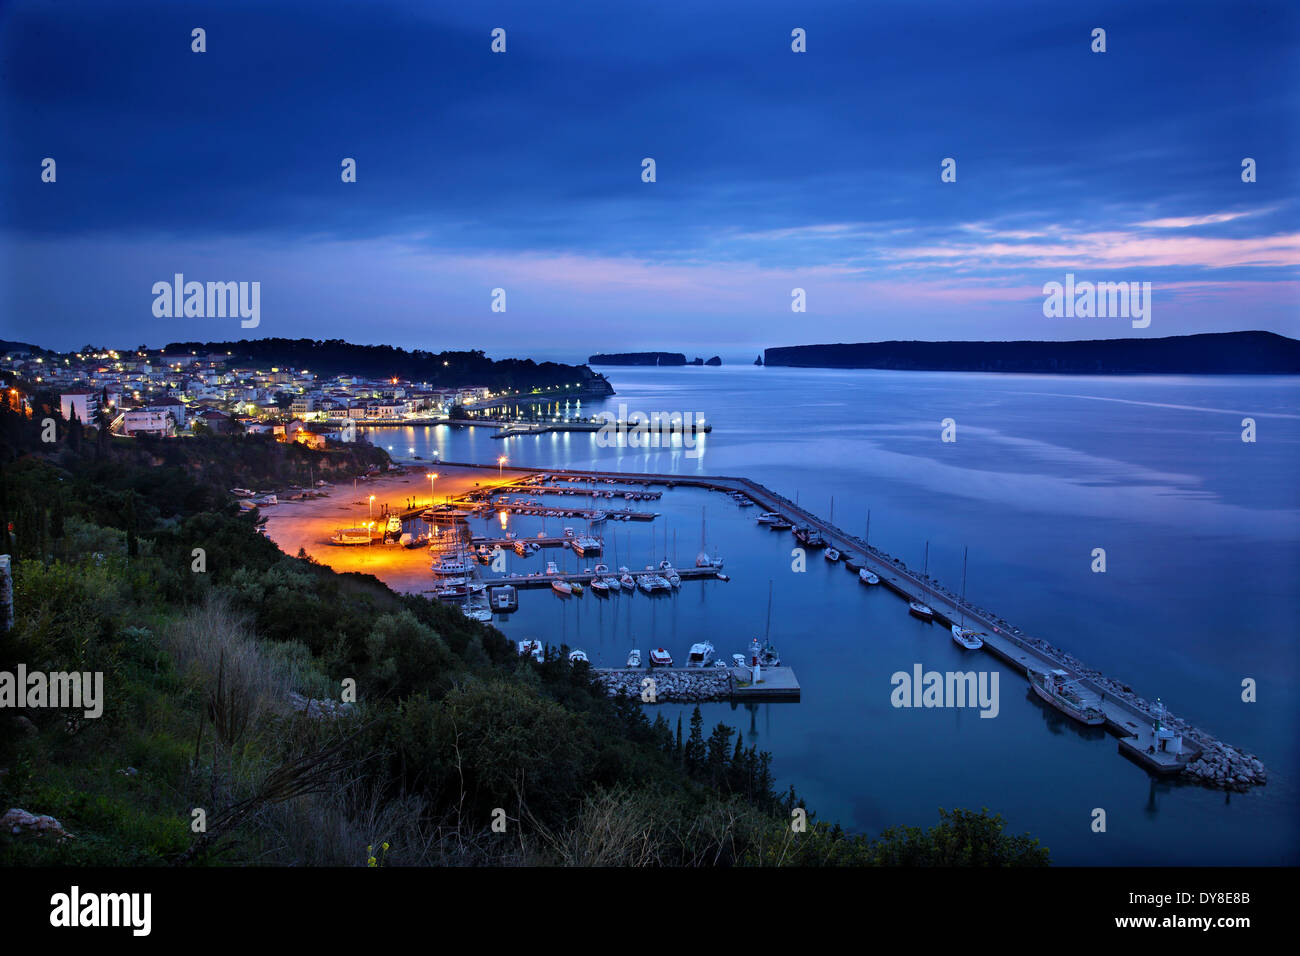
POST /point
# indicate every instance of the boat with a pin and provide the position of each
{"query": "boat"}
(599, 586)
(701, 655)
(480, 614)
(737, 660)
(723, 577)
(552, 567)
(962, 635)
(767, 517)
(532, 649)
(866, 577)
(831, 554)
(585, 544)
(351, 536)
(562, 587)
(659, 657)
(602, 570)
(576, 656)
(809, 537)
(576, 587)
(612, 583)
(394, 526)
(781, 524)
(643, 582)
(634, 658)
(446, 568)
(1057, 689)
(917, 609)
(626, 580)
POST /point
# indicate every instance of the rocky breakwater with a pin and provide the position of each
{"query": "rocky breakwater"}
(680, 685)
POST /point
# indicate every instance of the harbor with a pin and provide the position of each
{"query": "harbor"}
(1147, 733)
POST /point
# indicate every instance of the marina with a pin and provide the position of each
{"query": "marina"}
(1148, 734)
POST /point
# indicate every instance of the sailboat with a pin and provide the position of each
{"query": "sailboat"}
(766, 656)
(916, 608)
(962, 635)
(702, 560)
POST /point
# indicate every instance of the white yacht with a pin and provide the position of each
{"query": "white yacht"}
(701, 655)
(967, 638)
(866, 577)
(767, 517)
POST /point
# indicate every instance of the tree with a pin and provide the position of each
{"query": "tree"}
(694, 754)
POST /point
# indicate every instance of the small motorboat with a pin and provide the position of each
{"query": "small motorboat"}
(611, 583)
(701, 655)
(831, 554)
(576, 655)
(626, 580)
(967, 638)
(634, 658)
(599, 586)
(781, 524)
(917, 609)
(767, 517)
(576, 587)
(866, 577)
(723, 577)
(659, 657)
(562, 587)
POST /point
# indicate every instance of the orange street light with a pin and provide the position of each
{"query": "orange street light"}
(500, 465)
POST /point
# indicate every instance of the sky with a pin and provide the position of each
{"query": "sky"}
(523, 170)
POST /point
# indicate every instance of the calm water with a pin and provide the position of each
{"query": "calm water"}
(1202, 540)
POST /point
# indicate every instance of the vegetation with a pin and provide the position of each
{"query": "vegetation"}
(228, 670)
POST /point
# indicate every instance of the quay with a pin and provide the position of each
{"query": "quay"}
(540, 579)
(1148, 734)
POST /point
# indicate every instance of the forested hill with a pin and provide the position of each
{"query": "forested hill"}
(1220, 353)
(446, 369)
(637, 358)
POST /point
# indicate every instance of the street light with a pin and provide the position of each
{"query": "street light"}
(372, 506)
(500, 464)
(431, 475)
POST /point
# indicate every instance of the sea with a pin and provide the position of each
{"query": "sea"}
(1028, 480)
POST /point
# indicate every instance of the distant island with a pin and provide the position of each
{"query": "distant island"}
(661, 359)
(1214, 353)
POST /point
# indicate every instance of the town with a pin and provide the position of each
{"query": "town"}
(153, 392)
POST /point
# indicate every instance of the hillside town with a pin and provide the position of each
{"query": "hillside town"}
(171, 395)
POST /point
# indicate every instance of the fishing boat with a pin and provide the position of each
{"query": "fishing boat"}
(701, 655)
(562, 587)
(634, 658)
(531, 649)
(831, 554)
(866, 577)
(347, 536)
(917, 609)
(1056, 687)
(767, 517)
(659, 657)
(576, 656)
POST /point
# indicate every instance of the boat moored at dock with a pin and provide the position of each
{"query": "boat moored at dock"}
(967, 638)
(1058, 689)
(923, 611)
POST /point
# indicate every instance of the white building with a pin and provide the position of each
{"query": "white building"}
(84, 404)
(149, 421)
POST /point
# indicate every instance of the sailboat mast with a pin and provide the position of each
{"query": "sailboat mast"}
(964, 553)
